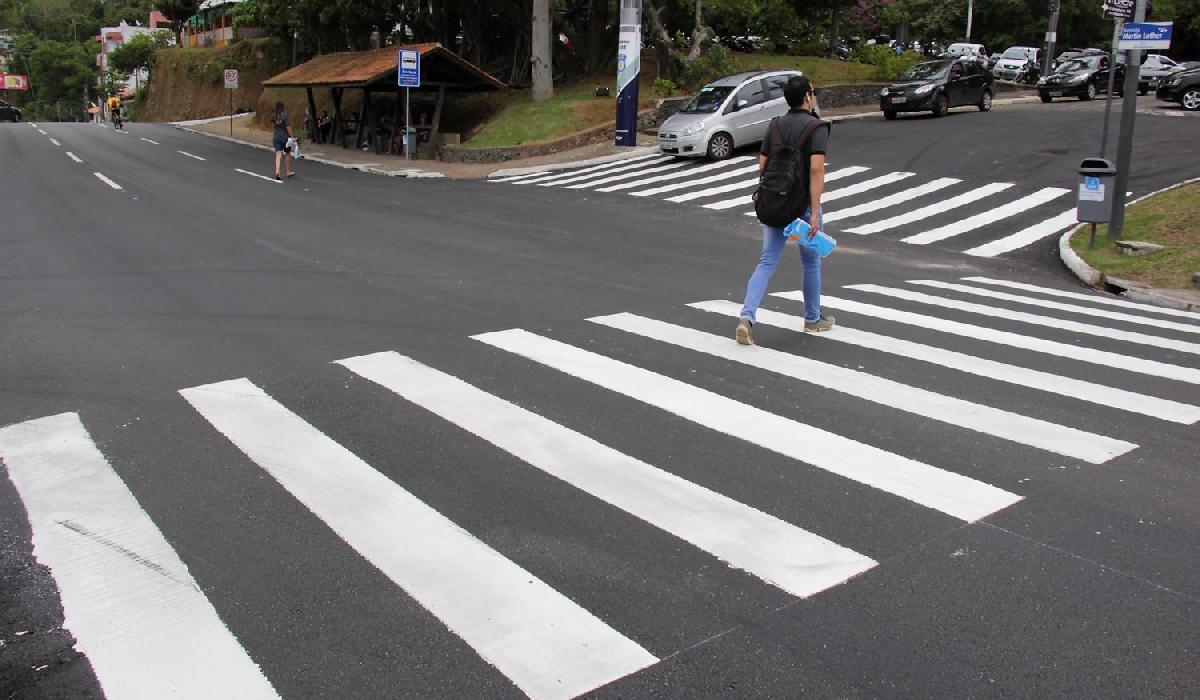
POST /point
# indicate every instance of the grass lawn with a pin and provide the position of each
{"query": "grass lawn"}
(1171, 219)
(822, 71)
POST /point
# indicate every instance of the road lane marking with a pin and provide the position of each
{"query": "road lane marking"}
(1059, 306)
(901, 197)
(575, 172)
(719, 165)
(1097, 298)
(129, 600)
(749, 198)
(43, 133)
(73, 157)
(1033, 319)
(719, 189)
(950, 493)
(55, 141)
(991, 216)
(603, 179)
(150, 141)
(932, 209)
(108, 182)
(1104, 358)
(779, 553)
(1006, 425)
(864, 186)
(619, 167)
(514, 178)
(189, 155)
(547, 645)
(1069, 387)
(260, 177)
(1020, 239)
(707, 180)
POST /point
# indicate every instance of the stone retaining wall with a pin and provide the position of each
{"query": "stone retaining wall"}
(464, 154)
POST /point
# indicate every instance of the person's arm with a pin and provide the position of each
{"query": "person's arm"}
(762, 162)
(816, 187)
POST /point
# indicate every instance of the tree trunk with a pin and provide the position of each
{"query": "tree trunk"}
(833, 28)
(701, 35)
(667, 67)
(597, 35)
(543, 76)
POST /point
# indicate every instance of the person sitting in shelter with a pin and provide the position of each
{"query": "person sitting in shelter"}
(324, 127)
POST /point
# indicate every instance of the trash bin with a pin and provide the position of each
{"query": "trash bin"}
(1094, 198)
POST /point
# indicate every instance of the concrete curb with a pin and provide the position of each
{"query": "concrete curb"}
(1094, 278)
(210, 120)
(360, 167)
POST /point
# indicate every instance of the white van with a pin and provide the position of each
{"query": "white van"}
(963, 50)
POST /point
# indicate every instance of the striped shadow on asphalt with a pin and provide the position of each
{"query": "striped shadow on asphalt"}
(1059, 306)
(991, 216)
(548, 646)
(130, 602)
(781, 554)
(1059, 439)
(1033, 319)
(945, 491)
(1069, 387)
(1103, 358)
(1095, 298)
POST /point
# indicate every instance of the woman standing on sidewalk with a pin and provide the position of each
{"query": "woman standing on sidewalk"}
(282, 139)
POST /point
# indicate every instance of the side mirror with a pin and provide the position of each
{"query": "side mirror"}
(740, 104)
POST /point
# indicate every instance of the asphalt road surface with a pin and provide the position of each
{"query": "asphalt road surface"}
(355, 436)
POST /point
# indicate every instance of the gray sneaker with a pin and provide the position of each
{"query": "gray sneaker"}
(745, 332)
(822, 324)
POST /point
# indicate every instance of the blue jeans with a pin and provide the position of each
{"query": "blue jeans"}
(773, 244)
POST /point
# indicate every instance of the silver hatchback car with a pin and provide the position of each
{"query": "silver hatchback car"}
(726, 114)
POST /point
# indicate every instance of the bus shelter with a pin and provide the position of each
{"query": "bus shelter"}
(374, 72)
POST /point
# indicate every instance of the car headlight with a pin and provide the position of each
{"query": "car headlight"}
(1174, 81)
(925, 88)
(694, 128)
(1041, 81)
(883, 92)
(1078, 78)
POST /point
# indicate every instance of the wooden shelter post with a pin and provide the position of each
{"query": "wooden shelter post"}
(372, 135)
(313, 130)
(339, 125)
(436, 125)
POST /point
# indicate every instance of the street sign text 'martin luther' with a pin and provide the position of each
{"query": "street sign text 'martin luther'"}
(1145, 35)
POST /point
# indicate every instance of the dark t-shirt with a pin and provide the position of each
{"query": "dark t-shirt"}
(790, 126)
(281, 123)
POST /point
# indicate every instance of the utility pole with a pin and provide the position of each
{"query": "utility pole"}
(1051, 37)
(970, 13)
(1133, 65)
(629, 67)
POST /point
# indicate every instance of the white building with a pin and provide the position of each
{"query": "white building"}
(112, 37)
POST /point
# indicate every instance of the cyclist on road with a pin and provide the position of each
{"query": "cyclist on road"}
(114, 108)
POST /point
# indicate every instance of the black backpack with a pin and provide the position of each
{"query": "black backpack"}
(782, 193)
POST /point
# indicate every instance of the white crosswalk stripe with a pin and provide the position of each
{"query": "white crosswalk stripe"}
(786, 556)
(708, 180)
(129, 601)
(606, 179)
(891, 200)
(950, 493)
(747, 200)
(991, 216)
(1059, 439)
(573, 172)
(932, 209)
(1083, 354)
(1058, 306)
(1027, 236)
(864, 186)
(1130, 401)
(743, 184)
(642, 182)
(544, 643)
(619, 167)
(1095, 298)
(1034, 319)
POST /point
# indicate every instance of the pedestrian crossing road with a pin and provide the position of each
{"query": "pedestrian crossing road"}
(978, 218)
(1033, 375)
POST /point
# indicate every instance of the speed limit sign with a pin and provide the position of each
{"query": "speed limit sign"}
(231, 79)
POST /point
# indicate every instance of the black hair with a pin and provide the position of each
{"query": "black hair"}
(797, 88)
(278, 107)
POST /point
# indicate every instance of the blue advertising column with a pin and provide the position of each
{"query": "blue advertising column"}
(629, 67)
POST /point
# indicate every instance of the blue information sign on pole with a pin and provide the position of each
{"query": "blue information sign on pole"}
(1145, 35)
(409, 74)
(629, 67)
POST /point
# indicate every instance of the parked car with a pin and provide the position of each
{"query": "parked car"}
(726, 114)
(9, 113)
(1018, 62)
(963, 50)
(1182, 87)
(937, 86)
(1154, 67)
(1186, 65)
(991, 60)
(1081, 77)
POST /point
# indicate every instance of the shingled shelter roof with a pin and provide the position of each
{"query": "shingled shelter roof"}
(376, 69)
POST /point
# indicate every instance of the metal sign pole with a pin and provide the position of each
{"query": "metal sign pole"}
(629, 68)
(231, 112)
(1112, 74)
(408, 135)
(1133, 65)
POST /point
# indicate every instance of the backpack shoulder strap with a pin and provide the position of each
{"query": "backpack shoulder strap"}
(807, 132)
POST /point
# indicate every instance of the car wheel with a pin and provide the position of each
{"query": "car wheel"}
(985, 102)
(890, 114)
(1045, 97)
(1089, 93)
(1191, 100)
(1143, 91)
(941, 106)
(720, 146)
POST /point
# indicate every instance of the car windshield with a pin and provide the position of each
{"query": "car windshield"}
(1079, 64)
(1018, 54)
(708, 100)
(925, 71)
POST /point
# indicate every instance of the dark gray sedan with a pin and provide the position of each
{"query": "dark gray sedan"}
(936, 86)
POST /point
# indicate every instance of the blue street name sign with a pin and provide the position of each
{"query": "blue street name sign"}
(409, 74)
(1145, 35)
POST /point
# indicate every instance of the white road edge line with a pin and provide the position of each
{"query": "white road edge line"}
(189, 155)
(780, 553)
(260, 177)
(129, 600)
(547, 645)
(108, 182)
(150, 141)
(55, 141)
(73, 157)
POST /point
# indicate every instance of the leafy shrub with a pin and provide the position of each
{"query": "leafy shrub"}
(713, 63)
(664, 87)
(888, 64)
